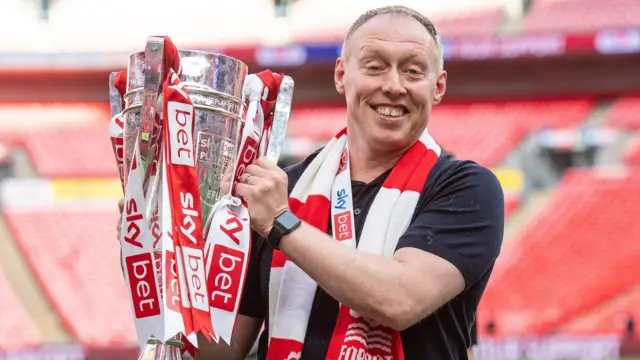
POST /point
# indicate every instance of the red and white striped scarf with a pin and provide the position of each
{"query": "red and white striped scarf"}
(324, 189)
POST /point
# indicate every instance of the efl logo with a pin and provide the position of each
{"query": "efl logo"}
(342, 224)
(224, 277)
(180, 125)
(142, 281)
(195, 276)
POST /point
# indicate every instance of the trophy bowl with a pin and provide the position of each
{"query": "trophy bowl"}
(214, 83)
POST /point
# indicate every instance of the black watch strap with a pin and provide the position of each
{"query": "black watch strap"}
(283, 224)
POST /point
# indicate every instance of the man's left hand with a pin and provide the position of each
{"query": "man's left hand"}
(264, 187)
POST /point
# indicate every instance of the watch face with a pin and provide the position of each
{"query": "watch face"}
(287, 220)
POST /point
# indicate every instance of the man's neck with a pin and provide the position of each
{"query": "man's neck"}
(366, 165)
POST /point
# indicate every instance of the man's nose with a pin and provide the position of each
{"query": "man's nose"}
(393, 84)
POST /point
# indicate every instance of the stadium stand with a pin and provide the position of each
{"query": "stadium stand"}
(609, 318)
(572, 247)
(62, 250)
(477, 23)
(632, 155)
(581, 15)
(625, 113)
(20, 121)
(492, 129)
(72, 152)
(511, 203)
(18, 329)
(461, 23)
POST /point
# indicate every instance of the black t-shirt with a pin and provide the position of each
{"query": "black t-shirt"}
(459, 217)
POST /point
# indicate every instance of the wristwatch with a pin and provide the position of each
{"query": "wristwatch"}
(283, 224)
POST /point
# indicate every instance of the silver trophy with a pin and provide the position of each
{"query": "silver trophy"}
(214, 84)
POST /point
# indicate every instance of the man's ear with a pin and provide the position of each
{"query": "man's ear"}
(338, 75)
(441, 87)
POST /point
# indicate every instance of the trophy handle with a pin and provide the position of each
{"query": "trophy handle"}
(280, 119)
(153, 70)
(150, 134)
(115, 100)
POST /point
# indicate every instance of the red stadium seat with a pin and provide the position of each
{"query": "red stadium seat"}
(476, 23)
(23, 121)
(581, 15)
(74, 254)
(579, 251)
(511, 203)
(483, 132)
(632, 156)
(73, 152)
(17, 328)
(625, 113)
(608, 318)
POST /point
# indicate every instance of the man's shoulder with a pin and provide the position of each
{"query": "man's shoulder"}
(465, 176)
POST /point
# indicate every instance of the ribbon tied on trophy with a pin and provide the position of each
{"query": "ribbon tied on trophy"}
(185, 124)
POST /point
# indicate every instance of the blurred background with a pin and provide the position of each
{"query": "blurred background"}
(544, 92)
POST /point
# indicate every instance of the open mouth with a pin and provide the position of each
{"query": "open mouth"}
(390, 111)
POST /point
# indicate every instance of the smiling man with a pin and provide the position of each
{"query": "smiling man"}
(384, 243)
(379, 245)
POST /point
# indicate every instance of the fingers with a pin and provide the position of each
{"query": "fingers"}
(264, 169)
(244, 191)
(264, 163)
(256, 169)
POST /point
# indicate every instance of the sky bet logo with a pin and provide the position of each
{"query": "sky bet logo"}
(342, 199)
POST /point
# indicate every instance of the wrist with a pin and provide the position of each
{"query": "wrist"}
(283, 224)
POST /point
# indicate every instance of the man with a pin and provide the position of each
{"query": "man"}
(414, 300)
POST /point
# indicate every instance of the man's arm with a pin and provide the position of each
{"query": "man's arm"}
(451, 244)
(446, 249)
(396, 292)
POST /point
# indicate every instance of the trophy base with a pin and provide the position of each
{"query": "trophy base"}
(157, 350)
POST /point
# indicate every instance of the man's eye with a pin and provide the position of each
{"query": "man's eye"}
(374, 67)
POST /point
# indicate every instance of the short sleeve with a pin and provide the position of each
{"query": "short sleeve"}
(462, 220)
(251, 303)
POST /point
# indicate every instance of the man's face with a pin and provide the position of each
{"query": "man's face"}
(390, 78)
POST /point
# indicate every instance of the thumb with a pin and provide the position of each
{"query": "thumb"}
(121, 204)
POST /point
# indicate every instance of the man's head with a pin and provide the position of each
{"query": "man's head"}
(391, 73)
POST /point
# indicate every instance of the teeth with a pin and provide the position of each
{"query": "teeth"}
(390, 111)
